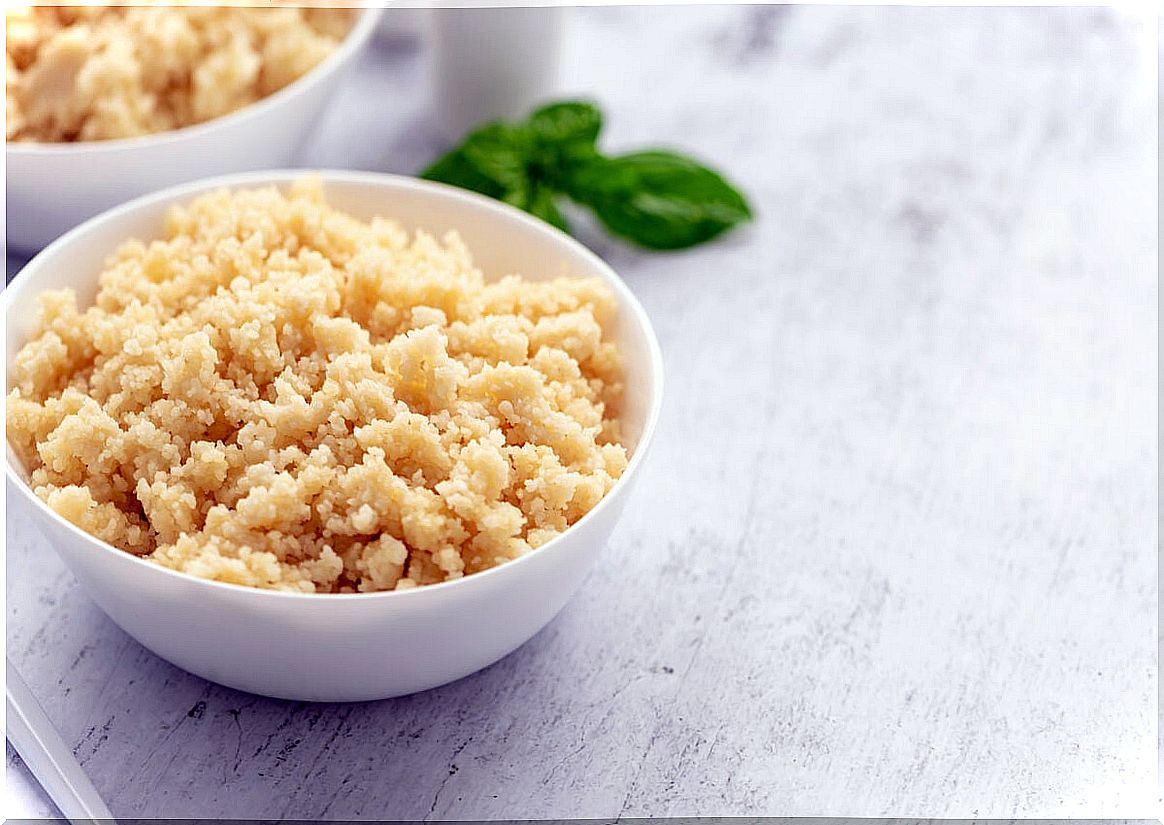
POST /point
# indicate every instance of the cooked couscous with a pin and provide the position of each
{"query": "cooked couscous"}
(280, 395)
(101, 72)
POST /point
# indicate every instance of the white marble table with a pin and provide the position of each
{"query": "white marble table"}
(894, 553)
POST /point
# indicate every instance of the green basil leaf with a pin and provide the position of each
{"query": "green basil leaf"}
(456, 169)
(539, 202)
(501, 152)
(542, 205)
(564, 136)
(518, 197)
(565, 123)
(658, 199)
(493, 160)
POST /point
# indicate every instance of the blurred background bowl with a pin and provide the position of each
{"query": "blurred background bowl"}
(52, 187)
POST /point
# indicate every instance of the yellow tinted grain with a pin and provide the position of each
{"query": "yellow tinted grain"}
(279, 395)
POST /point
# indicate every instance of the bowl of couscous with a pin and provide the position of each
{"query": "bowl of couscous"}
(336, 437)
(106, 103)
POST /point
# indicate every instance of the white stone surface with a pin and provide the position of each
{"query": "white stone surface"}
(894, 553)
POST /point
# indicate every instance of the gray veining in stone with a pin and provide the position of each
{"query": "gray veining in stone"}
(894, 552)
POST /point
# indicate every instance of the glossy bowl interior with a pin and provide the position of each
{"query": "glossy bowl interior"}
(52, 187)
(329, 647)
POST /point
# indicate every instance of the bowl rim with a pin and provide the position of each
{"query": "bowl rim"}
(628, 302)
(348, 48)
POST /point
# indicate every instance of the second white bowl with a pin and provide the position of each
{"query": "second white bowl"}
(52, 187)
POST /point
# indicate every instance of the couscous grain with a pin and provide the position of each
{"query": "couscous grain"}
(103, 72)
(277, 394)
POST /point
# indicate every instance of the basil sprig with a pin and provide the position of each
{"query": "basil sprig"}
(656, 199)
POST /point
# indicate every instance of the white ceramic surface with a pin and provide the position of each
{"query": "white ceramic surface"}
(344, 647)
(52, 187)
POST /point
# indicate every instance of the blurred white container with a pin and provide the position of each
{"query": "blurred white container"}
(486, 63)
(402, 21)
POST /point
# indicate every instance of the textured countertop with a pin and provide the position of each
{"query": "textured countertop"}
(894, 552)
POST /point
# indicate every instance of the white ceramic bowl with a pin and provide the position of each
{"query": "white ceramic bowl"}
(343, 647)
(52, 187)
